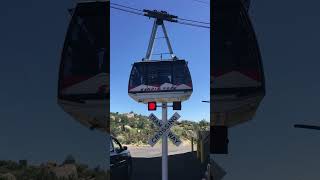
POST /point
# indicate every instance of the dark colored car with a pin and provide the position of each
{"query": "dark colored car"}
(120, 161)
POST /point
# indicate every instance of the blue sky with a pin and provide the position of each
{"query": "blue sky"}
(129, 40)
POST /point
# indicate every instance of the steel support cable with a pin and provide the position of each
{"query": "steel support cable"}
(193, 21)
(126, 7)
(141, 14)
(204, 2)
(179, 22)
(195, 25)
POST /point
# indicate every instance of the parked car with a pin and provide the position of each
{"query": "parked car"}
(120, 161)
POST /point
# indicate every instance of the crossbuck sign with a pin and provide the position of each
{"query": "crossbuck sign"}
(164, 129)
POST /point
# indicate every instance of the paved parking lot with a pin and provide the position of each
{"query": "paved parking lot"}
(181, 167)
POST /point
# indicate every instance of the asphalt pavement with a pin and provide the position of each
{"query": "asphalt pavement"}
(156, 151)
(183, 166)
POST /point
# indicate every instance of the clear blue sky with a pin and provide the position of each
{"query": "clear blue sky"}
(129, 40)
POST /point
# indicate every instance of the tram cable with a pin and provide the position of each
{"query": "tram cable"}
(120, 5)
(128, 11)
(178, 20)
(190, 24)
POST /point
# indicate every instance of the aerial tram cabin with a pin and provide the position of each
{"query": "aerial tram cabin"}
(160, 81)
(84, 71)
(246, 4)
(237, 77)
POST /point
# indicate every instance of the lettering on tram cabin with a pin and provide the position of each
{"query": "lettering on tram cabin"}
(159, 88)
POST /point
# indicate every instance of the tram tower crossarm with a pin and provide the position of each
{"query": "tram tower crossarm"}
(160, 15)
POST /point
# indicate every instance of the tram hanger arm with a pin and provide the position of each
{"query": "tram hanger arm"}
(153, 36)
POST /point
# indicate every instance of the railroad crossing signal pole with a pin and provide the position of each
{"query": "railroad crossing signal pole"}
(159, 17)
(164, 144)
(164, 132)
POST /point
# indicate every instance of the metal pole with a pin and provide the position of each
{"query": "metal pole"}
(164, 145)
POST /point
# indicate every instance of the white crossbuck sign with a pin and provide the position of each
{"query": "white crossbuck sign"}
(164, 129)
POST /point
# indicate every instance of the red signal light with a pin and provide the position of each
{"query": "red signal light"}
(152, 106)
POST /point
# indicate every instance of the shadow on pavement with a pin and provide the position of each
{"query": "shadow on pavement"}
(181, 166)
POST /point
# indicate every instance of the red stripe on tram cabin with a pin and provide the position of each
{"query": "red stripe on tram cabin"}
(252, 74)
(72, 80)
